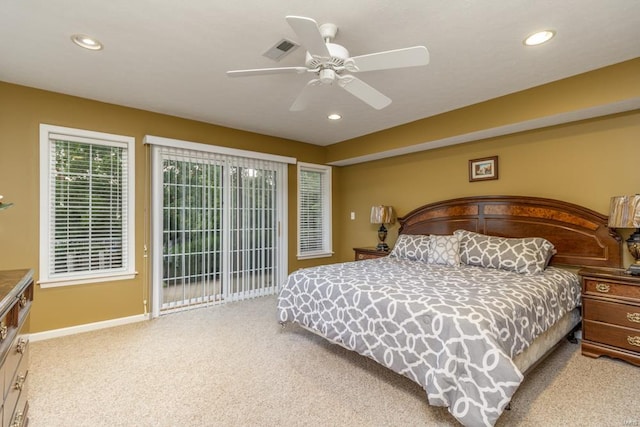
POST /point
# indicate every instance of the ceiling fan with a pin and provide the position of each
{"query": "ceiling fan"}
(331, 63)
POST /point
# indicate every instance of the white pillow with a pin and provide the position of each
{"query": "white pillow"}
(445, 250)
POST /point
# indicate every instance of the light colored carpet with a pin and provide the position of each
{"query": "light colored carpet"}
(233, 365)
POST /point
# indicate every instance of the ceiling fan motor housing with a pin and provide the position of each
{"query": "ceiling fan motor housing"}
(338, 56)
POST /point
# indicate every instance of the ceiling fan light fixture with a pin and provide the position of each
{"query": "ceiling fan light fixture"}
(86, 42)
(334, 116)
(539, 37)
(327, 76)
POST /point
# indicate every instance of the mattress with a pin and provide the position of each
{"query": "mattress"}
(544, 343)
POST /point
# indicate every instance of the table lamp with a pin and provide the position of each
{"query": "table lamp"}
(624, 212)
(382, 215)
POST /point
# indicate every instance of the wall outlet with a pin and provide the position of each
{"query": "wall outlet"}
(353, 215)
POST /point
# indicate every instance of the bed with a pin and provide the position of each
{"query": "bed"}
(474, 294)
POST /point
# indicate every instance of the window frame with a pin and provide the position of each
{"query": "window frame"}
(327, 229)
(127, 271)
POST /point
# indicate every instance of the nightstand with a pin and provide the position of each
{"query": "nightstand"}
(368, 253)
(610, 314)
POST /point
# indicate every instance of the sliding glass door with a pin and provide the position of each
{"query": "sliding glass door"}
(191, 231)
(216, 227)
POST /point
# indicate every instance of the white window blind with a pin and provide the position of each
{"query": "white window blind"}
(86, 206)
(314, 211)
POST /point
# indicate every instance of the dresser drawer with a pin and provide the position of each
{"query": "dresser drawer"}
(20, 415)
(617, 336)
(17, 388)
(611, 289)
(368, 253)
(18, 349)
(24, 301)
(611, 312)
(362, 256)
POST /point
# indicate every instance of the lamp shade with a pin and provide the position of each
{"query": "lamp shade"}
(382, 215)
(624, 212)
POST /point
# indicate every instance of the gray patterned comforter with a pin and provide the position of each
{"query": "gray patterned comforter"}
(452, 330)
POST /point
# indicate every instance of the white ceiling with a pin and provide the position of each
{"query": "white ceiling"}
(171, 56)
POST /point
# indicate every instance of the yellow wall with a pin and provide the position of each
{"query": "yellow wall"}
(22, 110)
(583, 162)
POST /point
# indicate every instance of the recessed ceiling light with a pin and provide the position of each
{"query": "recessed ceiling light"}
(86, 42)
(334, 116)
(539, 37)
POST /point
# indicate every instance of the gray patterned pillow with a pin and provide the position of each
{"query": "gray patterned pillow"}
(411, 247)
(445, 250)
(529, 255)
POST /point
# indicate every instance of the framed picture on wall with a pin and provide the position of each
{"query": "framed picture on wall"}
(483, 169)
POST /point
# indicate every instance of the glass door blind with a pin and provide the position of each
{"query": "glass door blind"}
(216, 228)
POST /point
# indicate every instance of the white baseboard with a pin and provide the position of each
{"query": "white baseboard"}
(57, 333)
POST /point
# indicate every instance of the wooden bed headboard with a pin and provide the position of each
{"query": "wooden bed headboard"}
(581, 236)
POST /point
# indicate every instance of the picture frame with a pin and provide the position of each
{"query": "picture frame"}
(483, 169)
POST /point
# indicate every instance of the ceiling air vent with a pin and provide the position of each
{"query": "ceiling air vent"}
(280, 49)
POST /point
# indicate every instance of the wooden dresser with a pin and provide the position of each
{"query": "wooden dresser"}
(610, 314)
(16, 295)
(368, 253)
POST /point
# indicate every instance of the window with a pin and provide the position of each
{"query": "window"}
(86, 206)
(314, 211)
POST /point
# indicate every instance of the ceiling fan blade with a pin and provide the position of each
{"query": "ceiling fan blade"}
(303, 98)
(398, 58)
(309, 34)
(263, 71)
(363, 91)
